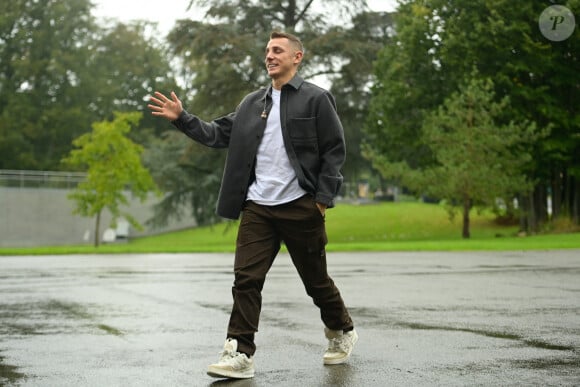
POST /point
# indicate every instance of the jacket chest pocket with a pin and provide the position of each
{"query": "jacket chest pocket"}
(302, 129)
(304, 139)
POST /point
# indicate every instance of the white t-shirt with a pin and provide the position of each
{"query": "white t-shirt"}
(276, 181)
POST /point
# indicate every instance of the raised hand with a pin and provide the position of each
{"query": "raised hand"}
(164, 107)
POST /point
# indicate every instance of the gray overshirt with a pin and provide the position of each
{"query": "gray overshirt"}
(313, 138)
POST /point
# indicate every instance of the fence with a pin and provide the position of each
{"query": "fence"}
(44, 179)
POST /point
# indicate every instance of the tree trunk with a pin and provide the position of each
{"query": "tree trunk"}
(567, 194)
(556, 193)
(97, 227)
(531, 219)
(541, 205)
(466, 208)
(537, 210)
(575, 184)
(523, 206)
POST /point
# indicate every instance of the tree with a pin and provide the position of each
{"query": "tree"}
(477, 160)
(60, 71)
(126, 67)
(408, 83)
(358, 47)
(43, 48)
(436, 46)
(114, 166)
(187, 173)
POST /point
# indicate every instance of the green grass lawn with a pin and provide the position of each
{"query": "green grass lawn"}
(406, 221)
(405, 226)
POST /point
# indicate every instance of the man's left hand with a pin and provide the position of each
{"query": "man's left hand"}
(321, 208)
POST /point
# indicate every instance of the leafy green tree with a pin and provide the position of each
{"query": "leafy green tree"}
(187, 176)
(114, 167)
(43, 49)
(540, 77)
(477, 159)
(436, 46)
(358, 47)
(126, 67)
(60, 71)
(408, 84)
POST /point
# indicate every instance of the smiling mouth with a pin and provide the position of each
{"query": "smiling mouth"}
(271, 66)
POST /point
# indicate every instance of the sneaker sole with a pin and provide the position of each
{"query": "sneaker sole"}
(336, 361)
(224, 374)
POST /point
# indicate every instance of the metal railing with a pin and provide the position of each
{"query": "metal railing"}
(40, 179)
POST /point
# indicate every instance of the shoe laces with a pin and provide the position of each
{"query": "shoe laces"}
(227, 354)
(228, 351)
(341, 343)
(233, 357)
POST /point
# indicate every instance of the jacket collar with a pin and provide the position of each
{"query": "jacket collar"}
(295, 83)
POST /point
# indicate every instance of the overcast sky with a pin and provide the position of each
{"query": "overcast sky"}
(165, 12)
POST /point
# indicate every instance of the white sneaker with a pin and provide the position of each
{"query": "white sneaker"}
(232, 364)
(340, 346)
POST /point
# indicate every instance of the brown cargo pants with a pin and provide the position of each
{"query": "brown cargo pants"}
(300, 225)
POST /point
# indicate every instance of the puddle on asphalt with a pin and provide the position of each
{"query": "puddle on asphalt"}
(558, 365)
(222, 308)
(349, 273)
(50, 317)
(68, 309)
(8, 373)
(373, 317)
(548, 363)
(110, 330)
(506, 266)
(490, 269)
(184, 273)
(494, 334)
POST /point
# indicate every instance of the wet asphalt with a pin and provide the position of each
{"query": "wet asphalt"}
(424, 319)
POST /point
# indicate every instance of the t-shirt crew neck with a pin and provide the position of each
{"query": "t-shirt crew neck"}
(276, 182)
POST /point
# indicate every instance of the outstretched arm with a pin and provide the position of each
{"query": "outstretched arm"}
(215, 134)
(164, 107)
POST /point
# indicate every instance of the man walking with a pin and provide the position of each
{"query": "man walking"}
(285, 150)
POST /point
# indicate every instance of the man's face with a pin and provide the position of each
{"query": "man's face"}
(282, 58)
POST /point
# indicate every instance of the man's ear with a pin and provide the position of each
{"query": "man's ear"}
(298, 55)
